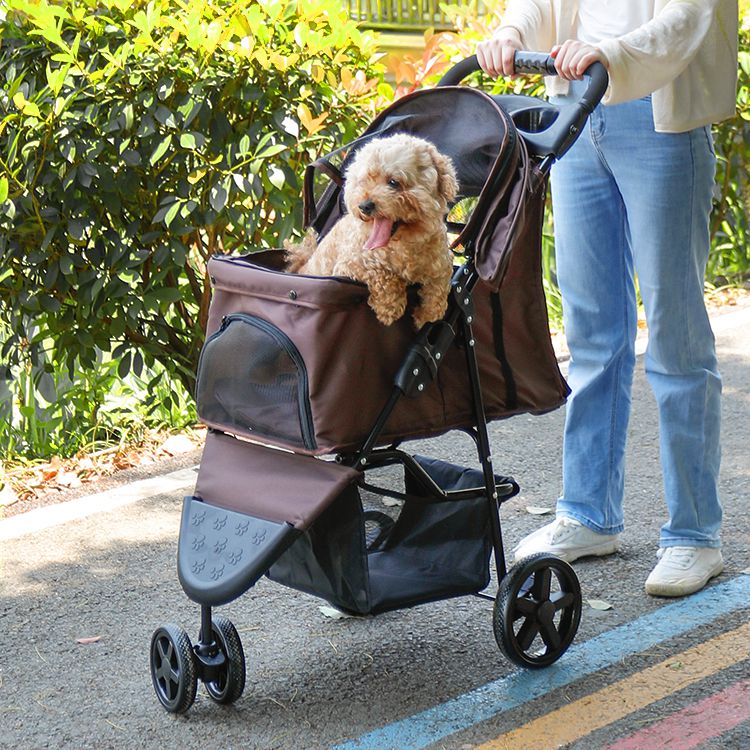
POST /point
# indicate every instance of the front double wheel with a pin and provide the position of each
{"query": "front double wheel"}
(173, 670)
(537, 610)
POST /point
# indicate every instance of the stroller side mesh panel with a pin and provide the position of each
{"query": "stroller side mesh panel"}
(251, 378)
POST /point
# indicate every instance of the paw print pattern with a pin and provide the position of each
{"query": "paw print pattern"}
(220, 545)
(217, 573)
(220, 522)
(259, 537)
(198, 518)
(235, 557)
(198, 565)
(242, 528)
(199, 541)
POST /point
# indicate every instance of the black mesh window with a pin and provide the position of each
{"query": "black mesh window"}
(252, 378)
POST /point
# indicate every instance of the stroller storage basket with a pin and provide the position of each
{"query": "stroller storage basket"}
(303, 363)
(434, 549)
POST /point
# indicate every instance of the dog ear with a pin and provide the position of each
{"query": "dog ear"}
(447, 182)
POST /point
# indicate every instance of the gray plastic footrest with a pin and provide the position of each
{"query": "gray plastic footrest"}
(221, 553)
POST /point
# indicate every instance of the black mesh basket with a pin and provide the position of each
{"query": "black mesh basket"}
(433, 549)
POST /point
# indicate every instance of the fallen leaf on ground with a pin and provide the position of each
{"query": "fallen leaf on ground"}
(538, 510)
(87, 641)
(333, 613)
(391, 502)
(598, 604)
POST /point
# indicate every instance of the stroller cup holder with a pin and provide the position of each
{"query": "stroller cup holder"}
(306, 395)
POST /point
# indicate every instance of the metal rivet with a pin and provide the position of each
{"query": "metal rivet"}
(494, 495)
(420, 387)
(469, 318)
(459, 289)
(292, 294)
(466, 300)
(415, 371)
(471, 342)
(363, 461)
(438, 355)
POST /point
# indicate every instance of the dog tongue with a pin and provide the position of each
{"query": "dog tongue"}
(380, 233)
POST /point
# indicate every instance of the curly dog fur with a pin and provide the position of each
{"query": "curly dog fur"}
(397, 190)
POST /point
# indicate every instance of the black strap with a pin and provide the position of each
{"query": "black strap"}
(308, 188)
(511, 394)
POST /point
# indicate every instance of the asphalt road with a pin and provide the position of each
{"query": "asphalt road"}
(431, 676)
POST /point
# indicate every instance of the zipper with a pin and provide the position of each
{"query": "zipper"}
(303, 396)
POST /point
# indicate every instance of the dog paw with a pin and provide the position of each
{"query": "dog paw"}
(423, 315)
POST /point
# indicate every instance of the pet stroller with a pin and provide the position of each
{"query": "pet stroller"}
(306, 395)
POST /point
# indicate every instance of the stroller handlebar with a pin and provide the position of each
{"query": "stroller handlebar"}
(557, 134)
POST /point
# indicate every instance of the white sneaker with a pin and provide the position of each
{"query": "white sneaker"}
(568, 539)
(683, 570)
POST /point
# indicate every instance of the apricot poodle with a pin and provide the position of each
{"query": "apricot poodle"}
(397, 191)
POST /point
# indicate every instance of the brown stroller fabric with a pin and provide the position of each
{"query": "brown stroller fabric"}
(303, 363)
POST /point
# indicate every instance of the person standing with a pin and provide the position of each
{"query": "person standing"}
(633, 196)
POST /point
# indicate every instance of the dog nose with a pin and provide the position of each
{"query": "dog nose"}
(367, 207)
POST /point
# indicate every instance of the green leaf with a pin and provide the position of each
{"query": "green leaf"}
(274, 150)
(192, 140)
(3, 189)
(276, 177)
(161, 149)
(171, 213)
(218, 197)
(165, 88)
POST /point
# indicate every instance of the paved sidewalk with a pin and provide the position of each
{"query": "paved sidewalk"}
(84, 583)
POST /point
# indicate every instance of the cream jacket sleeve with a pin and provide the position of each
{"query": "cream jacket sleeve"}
(686, 56)
(535, 21)
(656, 53)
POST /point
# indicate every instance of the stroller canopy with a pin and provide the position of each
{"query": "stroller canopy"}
(490, 159)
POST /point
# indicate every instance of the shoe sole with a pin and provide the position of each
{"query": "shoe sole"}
(571, 555)
(681, 588)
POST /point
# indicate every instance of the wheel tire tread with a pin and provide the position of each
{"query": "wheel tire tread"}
(231, 645)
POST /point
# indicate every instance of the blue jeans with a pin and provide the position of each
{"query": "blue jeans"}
(629, 200)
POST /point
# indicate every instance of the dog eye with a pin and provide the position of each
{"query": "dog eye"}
(395, 184)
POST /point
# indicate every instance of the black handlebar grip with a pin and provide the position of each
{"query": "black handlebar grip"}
(534, 62)
(537, 62)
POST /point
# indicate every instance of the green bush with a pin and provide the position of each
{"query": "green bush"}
(729, 261)
(137, 139)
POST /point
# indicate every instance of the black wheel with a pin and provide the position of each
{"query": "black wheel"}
(537, 610)
(173, 669)
(231, 682)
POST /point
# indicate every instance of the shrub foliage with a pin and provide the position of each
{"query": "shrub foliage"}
(136, 140)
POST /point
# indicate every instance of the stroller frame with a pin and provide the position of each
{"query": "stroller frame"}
(541, 593)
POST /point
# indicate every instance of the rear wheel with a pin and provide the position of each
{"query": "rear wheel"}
(537, 610)
(173, 669)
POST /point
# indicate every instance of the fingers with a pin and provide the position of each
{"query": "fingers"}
(572, 58)
(495, 56)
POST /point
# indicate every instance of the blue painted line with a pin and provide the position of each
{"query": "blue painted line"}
(671, 620)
